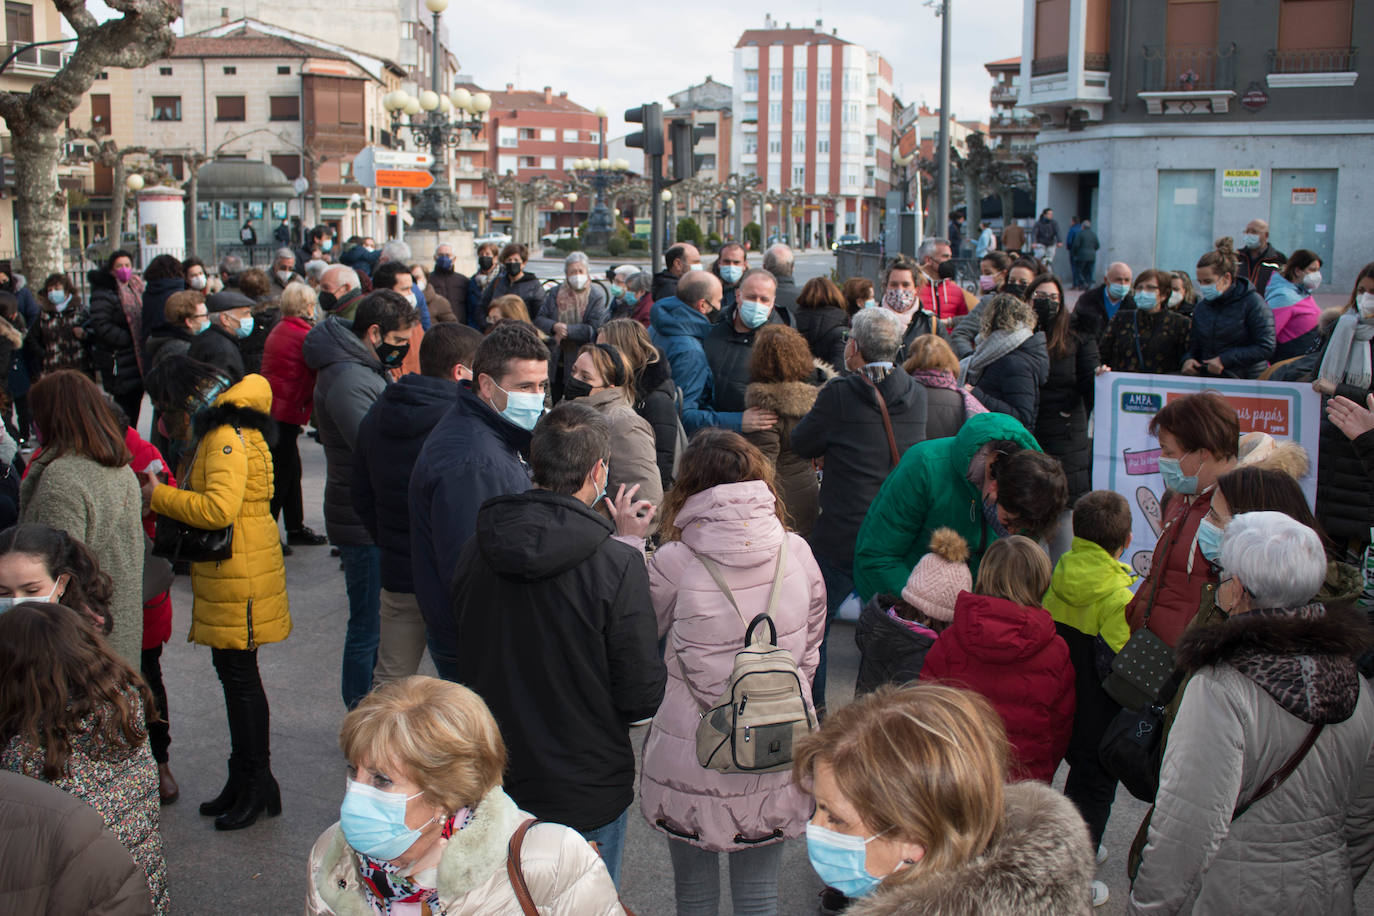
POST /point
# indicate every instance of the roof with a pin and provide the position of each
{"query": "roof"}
(765, 37)
(242, 178)
(246, 42)
(1006, 64)
(522, 100)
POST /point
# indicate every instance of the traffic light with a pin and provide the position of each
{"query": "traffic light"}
(650, 139)
(684, 138)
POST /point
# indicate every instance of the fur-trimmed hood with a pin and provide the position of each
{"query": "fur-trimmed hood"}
(1042, 865)
(1302, 657)
(786, 399)
(247, 404)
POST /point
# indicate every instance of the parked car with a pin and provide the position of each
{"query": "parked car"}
(499, 239)
(848, 238)
(553, 238)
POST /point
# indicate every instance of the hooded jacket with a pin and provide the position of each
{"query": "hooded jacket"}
(794, 475)
(1236, 326)
(112, 343)
(1089, 591)
(349, 378)
(1040, 865)
(1066, 399)
(1011, 384)
(736, 525)
(240, 603)
(845, 428)
(389, 441)
(824, 330)
(283, 365)
(564, 874)
(656, 401)
(889, 651)
(555, 632)
(61, 858)
(664, 285)
(679, 331)
(167, 340)
(1260, 681)
(472, 454)
(930, 489)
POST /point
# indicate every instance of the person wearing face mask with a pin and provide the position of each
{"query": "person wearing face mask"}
(730, 343)
(416, 837)
(1095, 309)
(1257, 259)
(1233, 328)
(513, 279)
(115, 330)
(388, 443)
(1010, 362)
(396, 276)
(479, 450)
(901, 284)
(887, 773)
(185, 319)
(320, 238)
(353, 365)
(999, 275)
(283, 271)
(1183, 296)
(623, 302)
(194, 271)
(58, 339)
(445, 283)
(488, 269)
(1152, 337)
(731, 263)
(678, 261)
(340, 291)
(231, 321)
(858, 295)
(1296, 313)
(571, 314)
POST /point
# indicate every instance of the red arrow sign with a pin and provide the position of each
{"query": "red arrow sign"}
(404, 178)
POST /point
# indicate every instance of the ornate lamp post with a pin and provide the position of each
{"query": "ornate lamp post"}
(436, 209)
(601, 174)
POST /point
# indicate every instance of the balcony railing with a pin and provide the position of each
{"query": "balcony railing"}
(1092, 61)
(1314, 60)
(1044, 66)
(1189, 68)
(1013, 125)
(1002, 93)
(43, 58)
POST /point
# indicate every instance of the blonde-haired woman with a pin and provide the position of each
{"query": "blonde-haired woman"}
(601, 379)
(293, 400)
(932, 363)
(426, 827)
(655, 394)
(912, 814)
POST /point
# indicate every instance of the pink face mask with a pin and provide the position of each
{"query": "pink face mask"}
(987, 282)
(122, 274)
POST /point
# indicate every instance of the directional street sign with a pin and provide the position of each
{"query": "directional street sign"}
(410, 179)
(375, 167)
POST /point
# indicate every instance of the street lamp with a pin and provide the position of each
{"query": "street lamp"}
(602, 174)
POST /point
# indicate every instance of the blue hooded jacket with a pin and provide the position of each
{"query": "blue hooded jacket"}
(678, 330)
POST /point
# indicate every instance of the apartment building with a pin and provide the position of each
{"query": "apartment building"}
(710, 106)
(1012, 129)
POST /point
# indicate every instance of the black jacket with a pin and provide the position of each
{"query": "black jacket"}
(664, 285)
(527, 288)
(846, 428)
(923, 322)
(1236, 326)
(389, 441)
(453, 286)
(1259, 266)
(945, 412)
(1090, 312)
(728, 353)
(786, 298)
(220, 349)
(824, 330)
(112, 344)
(168, 340)
(265, 318)
(889, 653)
(1011, 385)
(1345, 491)
(656, 401)
(155, 302)
(1066, 399)
(556, 632)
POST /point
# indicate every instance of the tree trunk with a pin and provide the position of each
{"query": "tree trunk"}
(118, 201)
(39, 204)
(973, 205)
(193, 213)
(1008, 196)
(319, 202)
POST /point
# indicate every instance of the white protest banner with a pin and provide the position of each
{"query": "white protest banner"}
(1126, 456)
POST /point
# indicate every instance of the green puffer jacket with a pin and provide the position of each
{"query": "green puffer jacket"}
(930, 489)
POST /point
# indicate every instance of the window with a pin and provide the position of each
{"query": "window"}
(569, 136)
(464, 189)
(166, 108)
(527, 133)
(548, 162)
(851, 176)
(798, 175)
(751, 144)
(164, 71)
(751, 111)
(285, 108)
(548, 134)
(529, 162)
(290, 165)
(774, 145)
(823, 80)
(506, 137)
(775, 81)
(868, 177)
(751, 81)
(822, 112)
(799, 80)
(851, 112)
(283, 71)
(506, 164)
(230, 71)
(336, 102)
(775, 111)
(177, 166)
(870, 144)
(798, 143)
(799, 112)
(230, 108)
(707, 163)
(823, 146)
(18, 22)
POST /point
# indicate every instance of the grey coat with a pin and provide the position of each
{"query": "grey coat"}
(349, 379)
(596, 313)
(1260, 681)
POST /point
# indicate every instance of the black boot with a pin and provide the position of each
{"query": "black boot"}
(228, 796)
(260, 793)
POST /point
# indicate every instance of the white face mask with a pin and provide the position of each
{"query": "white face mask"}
(1365, 303)
(1312, 281)
(410, 297)
(197, 282)
(52, 598)
(420, 284)
(1175, 299)
(284, 276)
(578, 281)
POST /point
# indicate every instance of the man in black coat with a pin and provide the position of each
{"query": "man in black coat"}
(556, 631)
(231, 320)
(846, 427)
(677, 260)
(1258, 259)
(729, 345)
(779, 261)
(1096, 308)
(389, 440)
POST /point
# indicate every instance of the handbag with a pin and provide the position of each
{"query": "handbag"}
(893, 451)
(516, 874)
(1144, 665)
(1132, 748)
(178, 541)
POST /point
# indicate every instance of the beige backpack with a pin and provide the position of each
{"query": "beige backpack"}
(762, 712)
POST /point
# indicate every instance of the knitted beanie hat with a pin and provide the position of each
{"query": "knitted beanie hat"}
(940, 576)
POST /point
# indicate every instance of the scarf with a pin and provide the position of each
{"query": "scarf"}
(1347, 358)
(990, 349)
(131, 301)
(571, 303)
(938, 378)
(383, 886)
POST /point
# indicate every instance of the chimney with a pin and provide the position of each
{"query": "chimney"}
(548, 94)
(510, 87)
(224, 15)
(563, 94)
(819, 26)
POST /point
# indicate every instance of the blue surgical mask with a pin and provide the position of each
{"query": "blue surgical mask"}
(1249, 240)
(1118, 291)
(326, 244)
(523, 408)
(731, 273)
(1146, 300)
(245, 327)
(870, 303)
(1209, 540)
(754, 314)
(1171, 469)
(841, 860)
(58, 296)
(202, 327)
(616, 292)
(443, 262)
(1208, 292)
(374, 822)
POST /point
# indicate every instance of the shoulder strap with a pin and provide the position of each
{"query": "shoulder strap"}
(773, 592)
(887, 419)
(1281, 776)
(1135, 324)
(515, 873)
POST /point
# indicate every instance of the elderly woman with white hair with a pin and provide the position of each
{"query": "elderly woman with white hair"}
(425, 826)
(572, 313)
(1266, 798)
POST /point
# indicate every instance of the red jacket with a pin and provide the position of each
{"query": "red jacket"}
(1013, 657)
(950, 301)
(283, 365)
(1178, 572)
(157, 612)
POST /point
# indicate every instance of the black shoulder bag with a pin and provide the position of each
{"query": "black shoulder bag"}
(174, 540)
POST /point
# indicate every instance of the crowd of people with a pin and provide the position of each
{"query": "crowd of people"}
(602, 504)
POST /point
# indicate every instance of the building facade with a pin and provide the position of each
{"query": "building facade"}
(813, 118)
(1175, 123)
(1011, 129)
(710, 106)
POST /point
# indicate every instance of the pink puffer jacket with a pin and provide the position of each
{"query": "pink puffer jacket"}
(734, 525)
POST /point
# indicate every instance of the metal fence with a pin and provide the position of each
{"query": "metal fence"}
(867, 261)
(1189, 68)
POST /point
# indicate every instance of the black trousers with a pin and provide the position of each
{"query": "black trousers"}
(245, 706)
(131, 402)
(159, 730)
(1089, 786)
(286, 476)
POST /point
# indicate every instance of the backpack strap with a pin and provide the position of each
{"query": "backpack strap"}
(773, 592)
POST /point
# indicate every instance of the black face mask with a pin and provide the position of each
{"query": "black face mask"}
(392, 355)
(1046, 310)
(575, 388)
(485, 262)
(1015, 288)
(514, 268)
(328, 301)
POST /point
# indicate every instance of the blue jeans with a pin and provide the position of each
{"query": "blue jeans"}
(838, 585)
(363, 580)
(610, 842)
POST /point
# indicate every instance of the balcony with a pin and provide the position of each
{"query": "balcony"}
(1003, 94)
(1189, 79)
(1312, 68)
(42, 60)
(1045, 66)
(1013, 126)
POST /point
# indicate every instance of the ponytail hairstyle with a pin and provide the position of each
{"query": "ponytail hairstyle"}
(88, 587)
(1222, 259)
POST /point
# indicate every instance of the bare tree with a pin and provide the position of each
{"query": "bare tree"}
(36, 119)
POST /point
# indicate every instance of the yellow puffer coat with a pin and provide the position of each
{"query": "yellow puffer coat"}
(240, 603)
